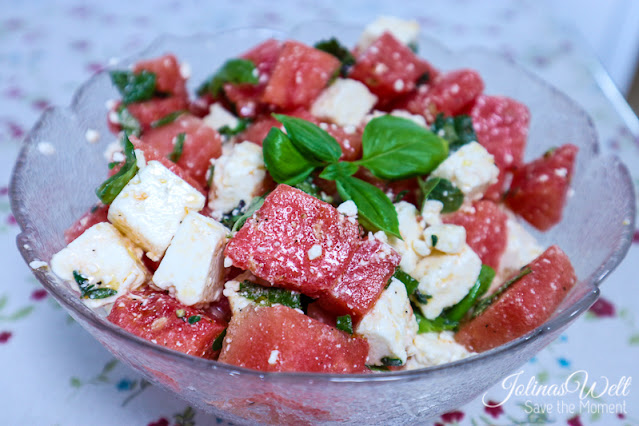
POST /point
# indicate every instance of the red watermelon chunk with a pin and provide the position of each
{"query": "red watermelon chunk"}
(538, 190)
(279, 338)
(168, 79)
(274, 243)
(244, 98)
(524, 306)
(97, 214)
(153, 316)
(486, 231)
(154, 109)
(300, 74)
(200, 144)
(366, 276)
(448, 93)
(389, 68)
(265, 56)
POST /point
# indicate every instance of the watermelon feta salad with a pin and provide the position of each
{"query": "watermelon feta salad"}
(321, 209)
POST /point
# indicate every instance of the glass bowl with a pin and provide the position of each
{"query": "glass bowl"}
(50, 190)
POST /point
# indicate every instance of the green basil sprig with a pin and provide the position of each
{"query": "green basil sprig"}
(176, 154)
(128, 123)
(409, 282)
(236, 71)
(314, 143)
(458, 130)
(441, 190)
(481, 286)
(113, 185)
(485, 303)
(441, 323)
(134, 87)
(167, 119)
(283, 161)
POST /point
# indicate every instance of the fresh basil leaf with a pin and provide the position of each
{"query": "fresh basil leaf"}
(391, 362)
(167, 119)
(338, 170)
(90, 291)
(397, 148)
(436, 325)
(242, 124)
(134, 87)
(421, 298)
(481, 286)
(128, 123)
(252, 208)
(113, 185)
(283, 161)
(194, 318)
(446, 192)
(335, 48)
(408, 281)
(314, 143)
(113, 164)
(458, 130)
(235, 71)
(376, 212)
(308, 186)
(425, 188)
(483, 304)
(178, 147)
(269, 296)
(433, 240)
(345, 323)
(219, 340)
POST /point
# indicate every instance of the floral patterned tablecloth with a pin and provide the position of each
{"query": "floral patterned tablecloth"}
(53, 372)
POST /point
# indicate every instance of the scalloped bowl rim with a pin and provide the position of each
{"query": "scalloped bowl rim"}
(557, 321)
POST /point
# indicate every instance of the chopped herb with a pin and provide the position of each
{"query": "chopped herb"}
(425, 188)
(217, 343)
(481, 286)
(95, 208)
(252, 208)
(335, 48)
(134, 87)
(167, 119)
(408, 281)
(392, 362)
(269, 296)
(180, 313)
(235, 71)
(113, 185)
(345, 323)
(399, 197)
(112, 164)
(421, 297)
(423, 79)
(458, 130)
(308, 186)
(242, 124)
(209, 180)
(128, 123)
(194, 318)
(90, 291)
(413, 46)
(434, 239)
(229, 218)
(485, 303)
(436, 325)
(446, 192)
(550, 152)
(377, 368)
(178, 147)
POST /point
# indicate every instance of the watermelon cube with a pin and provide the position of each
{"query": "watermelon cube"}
(538, 190)
(275, 243)
(279, 338)
(201, 143)
(154, 109)
(97, 214)
(524, 306)
(161, 319)
(486, 231)
(299, 75)
(168, 78)
(448, 93)
(389, 68)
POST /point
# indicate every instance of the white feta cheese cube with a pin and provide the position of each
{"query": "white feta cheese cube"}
(431, 212)
(404, 31)
(521, 249)
(446, 238)
(471, 168)
(447, 278)
(219, 117)
(192, 268)
(390, 326)
(435, 349)
(345, 102)
(411, 232)
(151, 206)
(238, 175)
(106, 258)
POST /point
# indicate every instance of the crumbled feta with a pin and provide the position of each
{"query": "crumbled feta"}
(238, 175)
(92, 136)
(140, 159)
(185, 70)
(151, 206)
(435, 349)
(46, 148)
(411, 232)
(447, 278)
(345, 102)
(231, 291)
(390, 326)
(446, 238)
(219, 117)
(105, 257)
(192, 267)
(471, 168)
(521, 249)
(431, 212)
(272, 359)
(402, 113)
(111, 150)
(315, 252)
(404, 31)
(348, 208)
(38, 264)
